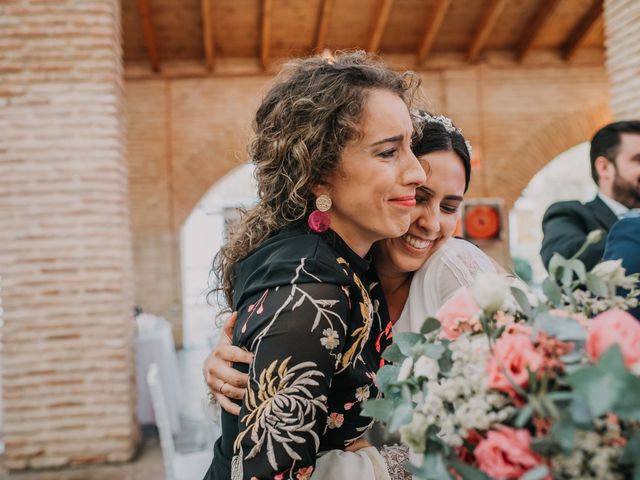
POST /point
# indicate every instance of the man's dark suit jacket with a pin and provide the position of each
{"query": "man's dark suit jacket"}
(623, 242)
(566, 225)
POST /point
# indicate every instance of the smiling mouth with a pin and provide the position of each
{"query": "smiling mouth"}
(416, 242)
(408, 201)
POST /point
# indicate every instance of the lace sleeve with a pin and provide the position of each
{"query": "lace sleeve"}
(461, 262)
(396, 457)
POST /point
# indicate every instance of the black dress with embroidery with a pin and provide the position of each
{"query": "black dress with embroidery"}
(313, 314)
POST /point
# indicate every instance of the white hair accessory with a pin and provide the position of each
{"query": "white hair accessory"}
(446, 123)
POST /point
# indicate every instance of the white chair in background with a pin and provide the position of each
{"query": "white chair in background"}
(177, 466)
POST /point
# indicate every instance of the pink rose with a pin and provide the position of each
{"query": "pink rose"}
(458, 314)
(506, 453)
(615, 327)
(512, 355)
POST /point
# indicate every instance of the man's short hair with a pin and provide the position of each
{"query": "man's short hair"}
(606, 141)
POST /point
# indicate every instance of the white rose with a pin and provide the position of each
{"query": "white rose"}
(405, 369)
(426, 367)
(610, 271)
(489, 291)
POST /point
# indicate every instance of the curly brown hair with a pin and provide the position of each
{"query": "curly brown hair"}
(300, 130)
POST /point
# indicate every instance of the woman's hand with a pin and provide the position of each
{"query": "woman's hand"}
(224, 381)
(357, 445)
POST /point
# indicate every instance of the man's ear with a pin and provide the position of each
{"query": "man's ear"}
(604, 167)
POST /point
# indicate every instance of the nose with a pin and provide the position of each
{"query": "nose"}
(429, 220)
(414, 174)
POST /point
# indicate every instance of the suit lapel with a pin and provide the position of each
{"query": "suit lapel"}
(602, 213)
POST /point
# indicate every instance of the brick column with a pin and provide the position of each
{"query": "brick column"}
(65, 242)
(622, 42)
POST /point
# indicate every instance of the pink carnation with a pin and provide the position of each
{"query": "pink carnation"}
(512, 355)
(458, 314)
(615, 327)
(506, 453)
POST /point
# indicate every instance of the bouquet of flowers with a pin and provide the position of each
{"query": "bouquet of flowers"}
(507, 385)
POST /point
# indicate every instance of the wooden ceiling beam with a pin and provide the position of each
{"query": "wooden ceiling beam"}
(149, 33)
(207, 34)
(322, 30)
(379, 25)
(487, 23)
(436, 17)
(581, 30)
(265, 37)
(525, 42)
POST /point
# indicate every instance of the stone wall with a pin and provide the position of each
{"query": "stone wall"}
(65, 256)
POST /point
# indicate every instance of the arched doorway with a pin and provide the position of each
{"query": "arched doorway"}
(201, 236)
(566, 177)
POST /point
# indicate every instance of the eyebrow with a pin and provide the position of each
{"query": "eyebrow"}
(397, 138)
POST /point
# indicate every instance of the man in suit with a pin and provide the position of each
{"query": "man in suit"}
(615, 167)
(623, 243)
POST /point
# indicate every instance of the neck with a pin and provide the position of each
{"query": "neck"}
(359, 245)
(395, 286)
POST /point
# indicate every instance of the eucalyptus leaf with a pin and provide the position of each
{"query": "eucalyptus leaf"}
(386, 376)
(602, 384)
(380, 409)
(406, 341)
(393, 354)
(580, 413)
(628, 405)
(631, 453)
(433, 465)
(536, 473)
(523, 416)
(563, 328)
(564, 433)
(557, 261)
(467, 472)
(597, 286)
(578, 267)
(434, 350)
(430, 325)
(522, 300)
(552, 291)
(400, 416)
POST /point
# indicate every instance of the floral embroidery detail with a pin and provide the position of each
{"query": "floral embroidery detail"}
(362, 393)
(335, 420)
(304, 473)
(361, 334)
(330, 339)
(283, 407)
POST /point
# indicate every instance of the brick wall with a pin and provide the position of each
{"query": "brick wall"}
(65, 261)
(184, 134)
(622, 28)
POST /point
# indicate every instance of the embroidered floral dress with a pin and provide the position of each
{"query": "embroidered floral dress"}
(313, 315)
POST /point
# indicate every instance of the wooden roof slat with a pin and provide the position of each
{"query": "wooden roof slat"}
(580, 31)
(265, 37)
(326, 9)
(149, 33)
(487, 23)
(433, 26)
(380, 24)
(207, 34)
(544, 11)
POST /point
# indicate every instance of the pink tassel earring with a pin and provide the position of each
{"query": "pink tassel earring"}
(319, 220)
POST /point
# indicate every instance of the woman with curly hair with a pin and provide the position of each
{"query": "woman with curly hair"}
(335, 173)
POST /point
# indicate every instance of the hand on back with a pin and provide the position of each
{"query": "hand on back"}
(224, 381)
